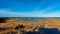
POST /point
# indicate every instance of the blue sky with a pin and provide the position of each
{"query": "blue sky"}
(29, 8)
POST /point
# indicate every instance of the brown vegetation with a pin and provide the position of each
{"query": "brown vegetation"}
(17, 26)
(51, 23)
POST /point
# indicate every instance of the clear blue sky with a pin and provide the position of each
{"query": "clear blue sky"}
(29, 8)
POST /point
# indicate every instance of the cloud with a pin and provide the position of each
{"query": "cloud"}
(5, 13)
(8, 13)
(55, 14)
